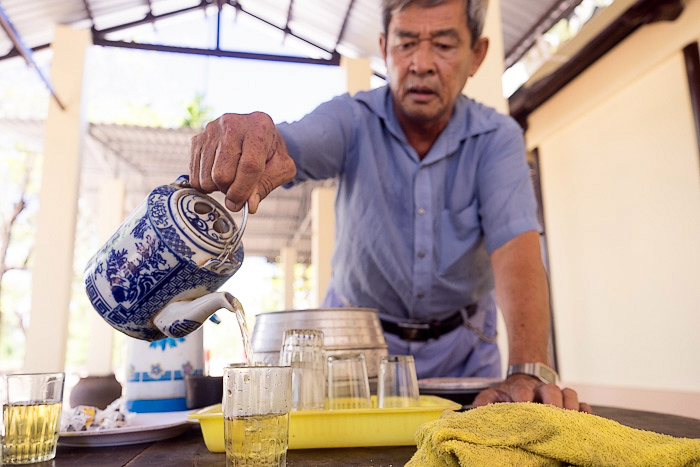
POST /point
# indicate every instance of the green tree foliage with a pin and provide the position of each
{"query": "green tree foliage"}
(197, 113)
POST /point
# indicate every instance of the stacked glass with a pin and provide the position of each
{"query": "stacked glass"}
(303, 350)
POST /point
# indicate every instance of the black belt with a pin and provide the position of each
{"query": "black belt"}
(420, 332)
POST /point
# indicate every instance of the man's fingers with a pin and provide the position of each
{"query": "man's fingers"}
(526, 389)
(210, 142)
(550, 394)
(254, 148)
(247, 177)
(491, 395)
(571, 401)
(226, 158)
(243, 156)
(195, 154)
(276, 169)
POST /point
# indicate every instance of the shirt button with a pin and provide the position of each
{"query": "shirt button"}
(421, 211)
(421, 254)
(420, 295)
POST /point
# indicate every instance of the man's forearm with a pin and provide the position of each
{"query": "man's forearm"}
(522, 294)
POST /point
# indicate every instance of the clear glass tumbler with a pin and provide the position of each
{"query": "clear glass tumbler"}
(256, 405)
(348, 384)
(397, 385)
(303, 350)
(31, 416)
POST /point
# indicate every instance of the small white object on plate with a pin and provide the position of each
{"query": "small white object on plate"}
(143, 428)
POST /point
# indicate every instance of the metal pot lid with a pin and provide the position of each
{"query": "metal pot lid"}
(448, 385)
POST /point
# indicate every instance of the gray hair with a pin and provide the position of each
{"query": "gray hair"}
(476, 12)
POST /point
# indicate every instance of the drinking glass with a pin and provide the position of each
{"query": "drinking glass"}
(397, 385)
(348, 384)
(303, 350)
(31, 416)
(256, 406)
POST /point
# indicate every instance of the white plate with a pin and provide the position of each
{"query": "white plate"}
(143, 428)
(457, 384)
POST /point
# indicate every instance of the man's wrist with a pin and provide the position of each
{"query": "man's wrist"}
(537, 370)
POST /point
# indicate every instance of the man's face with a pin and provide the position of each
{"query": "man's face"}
(429, 57)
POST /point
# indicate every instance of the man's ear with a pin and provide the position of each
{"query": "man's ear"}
(382, 45)
(478, 54)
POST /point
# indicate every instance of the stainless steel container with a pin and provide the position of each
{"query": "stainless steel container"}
(344, 330)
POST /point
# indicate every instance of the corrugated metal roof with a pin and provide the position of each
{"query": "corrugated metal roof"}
(348, 26)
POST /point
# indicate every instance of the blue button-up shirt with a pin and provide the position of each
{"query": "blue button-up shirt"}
(413, 237)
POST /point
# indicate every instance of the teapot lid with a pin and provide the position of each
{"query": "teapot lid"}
(193, 224)
(202, 219)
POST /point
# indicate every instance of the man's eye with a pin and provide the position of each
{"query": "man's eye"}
(407, 45)
(443, 46)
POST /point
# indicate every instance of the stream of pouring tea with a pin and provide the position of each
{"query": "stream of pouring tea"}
(237, 309)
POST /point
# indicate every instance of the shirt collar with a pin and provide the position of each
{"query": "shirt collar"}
(467, 119)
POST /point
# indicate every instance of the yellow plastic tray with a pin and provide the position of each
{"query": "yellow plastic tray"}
(339, 428)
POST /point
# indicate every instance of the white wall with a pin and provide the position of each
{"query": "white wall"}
(621, 188)
(485, 86)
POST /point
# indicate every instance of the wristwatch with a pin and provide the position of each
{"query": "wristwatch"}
(538, 370)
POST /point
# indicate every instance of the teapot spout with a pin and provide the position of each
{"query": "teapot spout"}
(180, 318)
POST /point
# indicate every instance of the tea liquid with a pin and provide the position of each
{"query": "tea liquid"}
(257, 440)
(31, 432)
(237, 308)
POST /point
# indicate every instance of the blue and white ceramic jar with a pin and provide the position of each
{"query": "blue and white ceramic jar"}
(155, 372)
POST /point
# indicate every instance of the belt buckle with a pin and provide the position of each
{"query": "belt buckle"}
(416, 332)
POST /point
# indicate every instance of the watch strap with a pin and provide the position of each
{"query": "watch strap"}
(540, 371)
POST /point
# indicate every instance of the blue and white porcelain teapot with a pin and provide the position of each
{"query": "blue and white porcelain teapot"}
(158, 274)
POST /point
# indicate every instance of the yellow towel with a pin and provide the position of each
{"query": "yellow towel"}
(529, 434)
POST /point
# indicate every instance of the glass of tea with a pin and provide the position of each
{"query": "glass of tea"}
(31, 416)
(256, 405)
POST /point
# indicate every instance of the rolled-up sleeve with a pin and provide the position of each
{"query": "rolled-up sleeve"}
(319, 142)
(507, 201)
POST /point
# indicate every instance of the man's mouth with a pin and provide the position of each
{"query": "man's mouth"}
(421, 93)
(421, 90)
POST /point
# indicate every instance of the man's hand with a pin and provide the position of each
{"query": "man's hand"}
(525, 388)
(243, 156)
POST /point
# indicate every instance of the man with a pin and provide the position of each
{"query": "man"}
(435, 209)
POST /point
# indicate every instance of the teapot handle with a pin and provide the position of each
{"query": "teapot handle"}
(236, 239)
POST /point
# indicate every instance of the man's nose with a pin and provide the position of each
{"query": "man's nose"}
(423, 59)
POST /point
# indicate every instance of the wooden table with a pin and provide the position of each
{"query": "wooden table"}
(188, 449)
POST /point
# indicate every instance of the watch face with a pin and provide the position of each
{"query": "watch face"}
(538, 370)
(548, 374)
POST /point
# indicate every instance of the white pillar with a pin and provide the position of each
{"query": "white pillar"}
(486, 86)
(322, 239)
(52, 273)
(358, 72)
(110, 216)
(288, 258)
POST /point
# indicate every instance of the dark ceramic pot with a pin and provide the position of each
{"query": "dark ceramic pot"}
(96, 391)
(201, 391)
